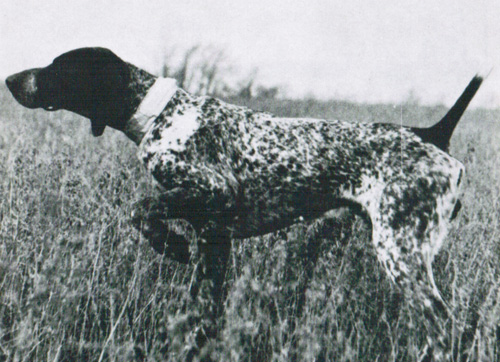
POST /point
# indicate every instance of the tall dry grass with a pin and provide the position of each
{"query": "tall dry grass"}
(77, 282)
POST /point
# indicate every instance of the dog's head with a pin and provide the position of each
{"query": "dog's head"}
(91, 82)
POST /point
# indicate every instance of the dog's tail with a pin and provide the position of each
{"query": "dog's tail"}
(440, 134)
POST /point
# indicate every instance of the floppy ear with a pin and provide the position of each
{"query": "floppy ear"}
(109, 91)
(96, 84)
(97, 127)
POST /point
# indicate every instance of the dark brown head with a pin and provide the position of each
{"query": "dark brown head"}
(92, 82)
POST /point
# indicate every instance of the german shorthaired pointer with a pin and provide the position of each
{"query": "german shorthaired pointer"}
(234, 173)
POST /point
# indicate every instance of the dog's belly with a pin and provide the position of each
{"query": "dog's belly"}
(278, 213)
(268, 203)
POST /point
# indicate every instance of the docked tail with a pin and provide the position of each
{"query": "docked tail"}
(440, 134)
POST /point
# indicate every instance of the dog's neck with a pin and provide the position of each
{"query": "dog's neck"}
(150, 107)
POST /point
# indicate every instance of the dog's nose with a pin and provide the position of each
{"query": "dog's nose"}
(10, 82)
(14, 84)
(22, 80)
(23, 87)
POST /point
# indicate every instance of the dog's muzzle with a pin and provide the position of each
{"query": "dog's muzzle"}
(23, 87)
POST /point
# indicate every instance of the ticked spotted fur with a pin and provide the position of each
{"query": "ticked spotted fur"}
(233, 172)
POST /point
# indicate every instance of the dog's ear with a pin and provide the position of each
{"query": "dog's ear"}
(111, 93)
(95, 83)
(97, 127)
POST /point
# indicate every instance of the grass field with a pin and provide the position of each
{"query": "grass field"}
(77, 283)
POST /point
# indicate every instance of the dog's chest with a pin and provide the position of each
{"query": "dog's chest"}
(176, 132)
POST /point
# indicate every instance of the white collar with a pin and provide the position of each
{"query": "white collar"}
(155, 101)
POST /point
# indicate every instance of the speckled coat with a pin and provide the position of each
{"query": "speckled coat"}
(234, 173)
(255, 173)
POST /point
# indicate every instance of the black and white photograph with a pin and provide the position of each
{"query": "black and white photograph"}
(264, 181)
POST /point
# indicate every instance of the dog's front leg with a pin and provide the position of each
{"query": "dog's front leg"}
(207, 289)
(154, 217)
(210, 254)
(212, 226)
(150, 216)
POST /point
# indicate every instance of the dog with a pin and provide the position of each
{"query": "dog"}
(235, 173)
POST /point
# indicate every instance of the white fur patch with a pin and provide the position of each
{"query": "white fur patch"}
(175, 137)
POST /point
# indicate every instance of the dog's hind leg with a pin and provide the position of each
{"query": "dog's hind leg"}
(408, 228)
(405, 264)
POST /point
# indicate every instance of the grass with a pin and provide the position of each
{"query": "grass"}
(77, 282)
